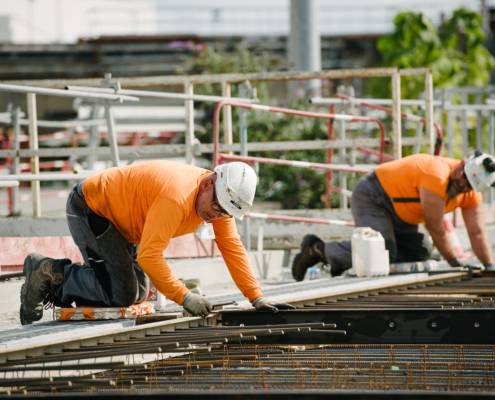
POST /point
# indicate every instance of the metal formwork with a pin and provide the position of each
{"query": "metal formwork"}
(427, 339)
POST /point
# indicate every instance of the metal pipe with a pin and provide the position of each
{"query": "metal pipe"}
(35, 161)
(63, 93)
(163, 81)
(16, 169)
(429, 112)
(227, 114)
(305, 220)
(112, 135)
(45, 176)
(94, 138)
(396, 119)
(189, 120)
(298, 164)
(8, 184)
(373, 101)
(244, 90)
(437, 143)
(288, 111)
(60, 124)
(174, 150)
(163, 95)
(490, 106)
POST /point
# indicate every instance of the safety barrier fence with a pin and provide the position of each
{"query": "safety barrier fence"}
(345, 102)
(105, 94)
(191, 148)
(226, 81)
(31, 93)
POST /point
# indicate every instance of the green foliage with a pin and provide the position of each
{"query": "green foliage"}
(240, 61)
(463, 37)
(292, 187)
(455, 51)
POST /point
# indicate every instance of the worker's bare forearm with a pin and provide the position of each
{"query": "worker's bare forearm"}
(441, 241)
(481, 248)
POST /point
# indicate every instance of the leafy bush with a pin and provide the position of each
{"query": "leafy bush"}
(455, 52)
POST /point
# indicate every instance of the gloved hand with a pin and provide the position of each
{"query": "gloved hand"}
(455, 262)
(263, 304)
(489, 267)
(196, 304)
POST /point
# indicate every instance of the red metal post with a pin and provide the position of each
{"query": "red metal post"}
(289, 111)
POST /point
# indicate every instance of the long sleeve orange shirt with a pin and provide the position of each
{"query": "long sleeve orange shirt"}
(152, 202)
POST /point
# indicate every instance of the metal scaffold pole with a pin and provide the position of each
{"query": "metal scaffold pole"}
(33, 145)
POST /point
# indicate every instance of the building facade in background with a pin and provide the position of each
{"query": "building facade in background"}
(66, 21)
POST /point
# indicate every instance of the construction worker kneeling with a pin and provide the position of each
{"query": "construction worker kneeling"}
(401, 194)
(122, 219)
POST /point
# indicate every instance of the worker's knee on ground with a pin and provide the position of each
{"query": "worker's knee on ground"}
(423, 253)
(391, 246)
(426, 249)
(127, 298)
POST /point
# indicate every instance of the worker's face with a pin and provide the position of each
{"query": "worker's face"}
(207, 205)
(458, 182)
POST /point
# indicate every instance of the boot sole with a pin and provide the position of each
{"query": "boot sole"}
(27, 269)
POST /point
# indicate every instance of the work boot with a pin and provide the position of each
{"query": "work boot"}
(312, 252)
(41, 280)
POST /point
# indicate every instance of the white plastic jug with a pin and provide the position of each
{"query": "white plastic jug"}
(369, 256)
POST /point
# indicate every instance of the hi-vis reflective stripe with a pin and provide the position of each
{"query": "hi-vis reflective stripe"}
(92, 313)
(289, 218)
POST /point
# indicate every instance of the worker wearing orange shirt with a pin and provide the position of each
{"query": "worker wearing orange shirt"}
(401, 194)
(122, 220)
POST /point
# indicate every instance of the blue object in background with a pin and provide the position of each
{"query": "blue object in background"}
(313, 272)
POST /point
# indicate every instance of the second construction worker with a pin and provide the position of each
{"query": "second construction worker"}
(122, 219)
(401, 194)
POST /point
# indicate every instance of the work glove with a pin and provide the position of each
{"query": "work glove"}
(196, 304)
(489, 267)
(263, 304)
(455, 262)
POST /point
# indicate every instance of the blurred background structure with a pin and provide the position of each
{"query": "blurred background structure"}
(60, 21)
(161, 44)
(81, 38)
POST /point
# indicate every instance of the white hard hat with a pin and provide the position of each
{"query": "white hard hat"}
(480, 171)
(235, 187)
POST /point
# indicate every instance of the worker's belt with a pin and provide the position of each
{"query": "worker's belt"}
(405, 199)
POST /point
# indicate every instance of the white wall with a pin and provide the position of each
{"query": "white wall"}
(49, 21)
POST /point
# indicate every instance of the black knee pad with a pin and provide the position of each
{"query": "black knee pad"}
(391, 246)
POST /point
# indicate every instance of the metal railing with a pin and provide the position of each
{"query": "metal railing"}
(31, 93)
(227, 81)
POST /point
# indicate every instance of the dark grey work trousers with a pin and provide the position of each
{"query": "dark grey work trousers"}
(110, 275)
(372, 207)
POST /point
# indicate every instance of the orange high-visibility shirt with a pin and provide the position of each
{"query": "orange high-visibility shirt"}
(403, 178)
(152, 202)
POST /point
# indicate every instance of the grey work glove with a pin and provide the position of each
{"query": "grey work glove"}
(455, 262)
(489, 267)
(263, 304)
(196, 304)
